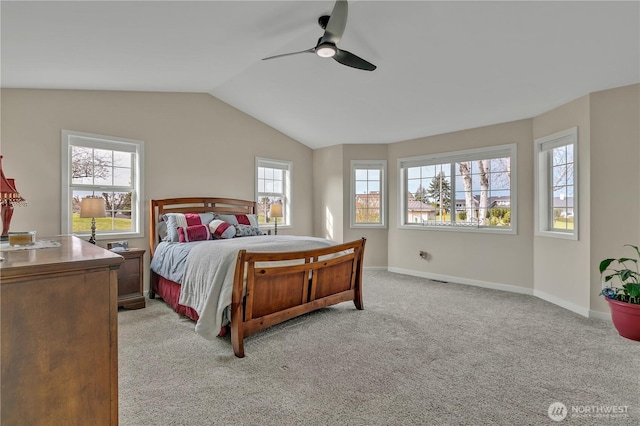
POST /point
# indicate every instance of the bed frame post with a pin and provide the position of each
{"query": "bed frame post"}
(237, 307)
(357, 294)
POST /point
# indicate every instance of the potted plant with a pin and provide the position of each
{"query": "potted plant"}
(624, 301)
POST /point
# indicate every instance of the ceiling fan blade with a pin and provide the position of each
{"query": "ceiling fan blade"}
(289, 54)
(351, 60)
(337, 23)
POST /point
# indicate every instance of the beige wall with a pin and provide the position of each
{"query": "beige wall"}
(194, 145)
(615, 179)
(500, 261)
(328, 180)
(561, 267)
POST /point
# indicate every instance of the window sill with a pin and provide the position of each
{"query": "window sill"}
(110, 237)
(558, 234)
(368, 226)
(485, 230)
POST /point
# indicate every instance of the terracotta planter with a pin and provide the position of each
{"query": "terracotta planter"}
(626, 318)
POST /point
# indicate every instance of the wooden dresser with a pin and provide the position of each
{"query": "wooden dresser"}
(59, 345)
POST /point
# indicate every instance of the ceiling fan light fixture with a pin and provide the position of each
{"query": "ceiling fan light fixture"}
(326, 50)
(333, 26)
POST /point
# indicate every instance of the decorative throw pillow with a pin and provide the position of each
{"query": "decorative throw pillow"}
(177, 220)
(187, 234)
(239, 219)
(161, 230)
(247, 230)
(221, 229)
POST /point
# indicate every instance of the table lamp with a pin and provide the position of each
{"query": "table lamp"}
(9, 196)
(275, 211)
(92, 207)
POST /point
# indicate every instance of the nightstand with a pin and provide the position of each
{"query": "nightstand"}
(130, 283)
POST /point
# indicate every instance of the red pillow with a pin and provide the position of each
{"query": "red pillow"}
(187, 234)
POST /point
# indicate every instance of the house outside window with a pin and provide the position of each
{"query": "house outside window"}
(472, 190)
(368, 193)
(273, 185)
(557, 185)
(107, 167)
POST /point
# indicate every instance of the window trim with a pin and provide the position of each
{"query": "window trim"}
(110, 143)
(372, 165)
(542, 190)
(288, 189)
(496, 151)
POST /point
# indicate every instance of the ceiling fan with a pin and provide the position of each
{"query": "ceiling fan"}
(327, 44)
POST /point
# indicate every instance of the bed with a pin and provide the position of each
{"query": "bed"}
(243, 282)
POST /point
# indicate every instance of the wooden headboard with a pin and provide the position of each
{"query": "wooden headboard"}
(193, 205)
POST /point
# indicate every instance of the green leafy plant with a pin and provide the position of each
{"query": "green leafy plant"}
(625, 270)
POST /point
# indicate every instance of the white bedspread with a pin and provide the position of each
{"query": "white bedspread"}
(207, 284)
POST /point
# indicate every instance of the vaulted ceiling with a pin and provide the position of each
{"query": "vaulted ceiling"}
(442, 66)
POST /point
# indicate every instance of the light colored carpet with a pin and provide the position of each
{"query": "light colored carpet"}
(421, 352)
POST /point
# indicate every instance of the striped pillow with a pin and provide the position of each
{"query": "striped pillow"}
(187, 234)
(221, 229)
(239, 219)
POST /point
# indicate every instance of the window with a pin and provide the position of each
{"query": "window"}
(464, 190)
(107, 167)
(368, 193)
(273, 185)
(557, 185)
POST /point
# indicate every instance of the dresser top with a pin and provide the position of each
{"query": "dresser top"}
(73, 253)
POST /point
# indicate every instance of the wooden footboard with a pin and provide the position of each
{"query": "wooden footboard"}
(276, 292)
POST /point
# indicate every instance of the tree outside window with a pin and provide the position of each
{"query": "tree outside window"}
(368, 193)
(557, 185)
(470, 189)
(107, 167)
(94, 170)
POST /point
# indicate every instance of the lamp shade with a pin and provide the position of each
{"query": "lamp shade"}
(8, 191)
(275, 210)
(92, 207)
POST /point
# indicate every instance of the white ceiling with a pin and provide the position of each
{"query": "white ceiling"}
(442, 66)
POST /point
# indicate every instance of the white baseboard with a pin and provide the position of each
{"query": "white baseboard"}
(467, 281)
(605, 316)
(580, 310)
(375, 268)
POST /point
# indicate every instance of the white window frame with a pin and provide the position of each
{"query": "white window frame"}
(544, 191)
(287, 220)
(72, 138)
(380, 165)
(498, 151)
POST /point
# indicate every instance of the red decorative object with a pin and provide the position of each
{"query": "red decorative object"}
(626, 318)
(9, 196)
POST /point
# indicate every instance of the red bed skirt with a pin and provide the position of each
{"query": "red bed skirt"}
(170, 293)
